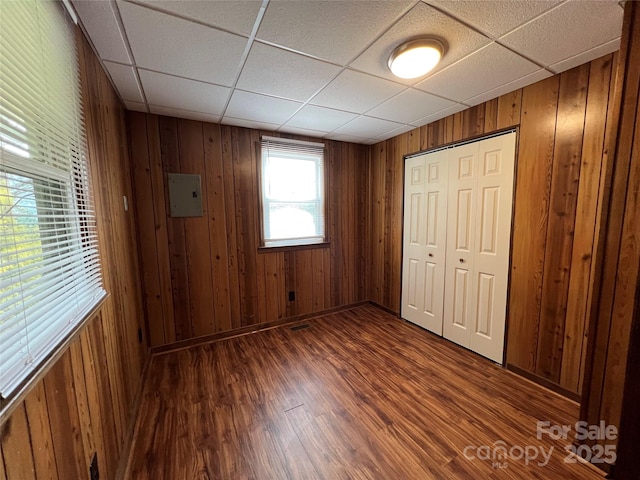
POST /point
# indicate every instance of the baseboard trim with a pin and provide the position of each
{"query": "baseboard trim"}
(248, 330)
(386, 309)
(554, 387)
(122, 472)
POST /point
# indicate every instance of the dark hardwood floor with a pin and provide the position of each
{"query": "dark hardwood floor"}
(358, 394)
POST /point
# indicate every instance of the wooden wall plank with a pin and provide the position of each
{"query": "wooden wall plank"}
(572, 99)
(603, 387)
(160, 202)
(473, 121)
(231, 227)
(457, 132)
(304, 281)
(144, 207)
(413, 142)
(98, 392)
(3, 473)
(335, 220)
(16, 447)
(274, 286)
(531, 210)
(71, 459)
(491, 116)
(175, 233)
(40, 430)
(389, 195)
(244, 168)
(400, 148)
(449, 123)
(575, 336)
(600, 291)
(509, 109)
(364, 219)
(611, 354)
(628, 159)
(318, 275)
(89, 434)
(214, 176)
(290, 281)
(196, 232)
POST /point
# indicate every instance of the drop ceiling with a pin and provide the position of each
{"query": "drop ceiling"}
(319, 68)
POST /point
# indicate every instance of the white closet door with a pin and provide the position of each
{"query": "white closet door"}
(459, 263)
(457, 233)
(425, 209)
(491, 244)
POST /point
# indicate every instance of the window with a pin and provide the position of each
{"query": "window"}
(49, 264)
(292, 192)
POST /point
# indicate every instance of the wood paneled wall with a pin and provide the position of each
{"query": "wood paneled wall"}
(205, 275)
(85, 402)
(618, 280)
(561, 143)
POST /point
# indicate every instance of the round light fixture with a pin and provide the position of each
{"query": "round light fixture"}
(416, 57)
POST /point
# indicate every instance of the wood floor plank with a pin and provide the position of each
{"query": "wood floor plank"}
(358, 394)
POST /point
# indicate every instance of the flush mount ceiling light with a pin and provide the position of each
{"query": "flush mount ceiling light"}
(415, 58)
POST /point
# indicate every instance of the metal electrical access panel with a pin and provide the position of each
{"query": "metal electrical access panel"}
(185, 195)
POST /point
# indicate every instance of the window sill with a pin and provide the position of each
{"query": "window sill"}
(8, 405)
(289, 248)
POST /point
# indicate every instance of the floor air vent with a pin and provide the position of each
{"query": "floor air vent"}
(300, 327)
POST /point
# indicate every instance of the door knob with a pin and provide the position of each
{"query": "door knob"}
(431, 254)
(462, 260)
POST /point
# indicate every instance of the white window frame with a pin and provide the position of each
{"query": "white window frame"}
(295, 150)
(47, 291)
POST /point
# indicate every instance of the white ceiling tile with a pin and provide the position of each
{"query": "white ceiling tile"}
(333, 30)
(274, 71)
(509, 87)
(179, 113)
(100, 21)
(239, 122)
(320, 118)
(495, 17)
(409, 106)
(478, 73)
(396, 131)
(124, 78)
(367, 127)
(350, 138)
(458, 107)
(420, 21)
(180, 93)
(172, 45)
(356, 92)
(302, 131)
(587, 56)
(567, 30)
(233, 15)
(251, 106)
(135, 106)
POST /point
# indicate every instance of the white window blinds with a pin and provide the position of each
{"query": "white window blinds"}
(292, 192)
(49, 264)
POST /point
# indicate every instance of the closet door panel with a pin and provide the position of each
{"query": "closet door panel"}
(424, 240)
(492, 240)
(459, 303)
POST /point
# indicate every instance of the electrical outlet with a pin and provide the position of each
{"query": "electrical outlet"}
(94, 472)
(292, 296)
